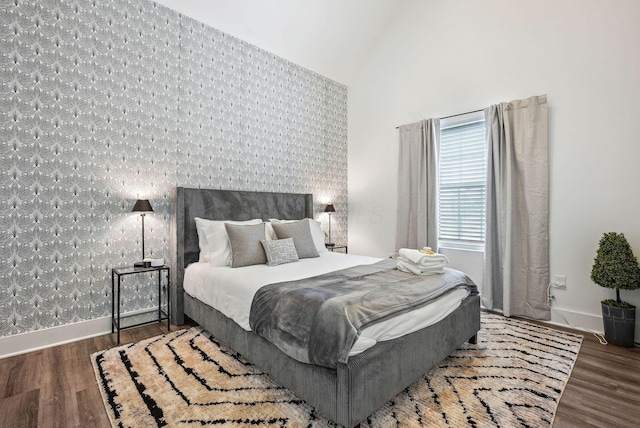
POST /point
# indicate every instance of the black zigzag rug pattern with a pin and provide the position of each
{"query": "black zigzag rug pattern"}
(514, 376)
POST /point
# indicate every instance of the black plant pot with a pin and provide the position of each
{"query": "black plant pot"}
(619, 324)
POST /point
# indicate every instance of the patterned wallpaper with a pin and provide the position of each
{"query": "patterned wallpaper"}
(107, 101)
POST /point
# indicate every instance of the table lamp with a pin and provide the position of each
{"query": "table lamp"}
(329, 209)
(142, 206)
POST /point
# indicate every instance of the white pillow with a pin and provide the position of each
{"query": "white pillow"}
(316, 232)
(269, 232)
(318, 235)
(213, 239)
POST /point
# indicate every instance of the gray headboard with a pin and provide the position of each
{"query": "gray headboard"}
(215, 204)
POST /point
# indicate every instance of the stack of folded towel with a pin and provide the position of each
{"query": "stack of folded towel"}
(421, 262)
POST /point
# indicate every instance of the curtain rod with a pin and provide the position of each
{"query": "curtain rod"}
(454, 115)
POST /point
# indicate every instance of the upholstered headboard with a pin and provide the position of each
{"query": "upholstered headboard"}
(214, 204)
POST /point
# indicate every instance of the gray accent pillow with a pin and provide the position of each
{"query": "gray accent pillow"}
(280, 251)
(246, 249)
(300, 232)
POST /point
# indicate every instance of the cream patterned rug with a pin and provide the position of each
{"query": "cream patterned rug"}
(514, 376)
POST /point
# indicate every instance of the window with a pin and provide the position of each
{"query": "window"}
(462, 182)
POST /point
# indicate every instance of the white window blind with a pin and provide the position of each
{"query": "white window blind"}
(462, 175)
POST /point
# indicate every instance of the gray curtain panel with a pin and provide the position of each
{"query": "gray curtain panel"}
(418, 185)
(517, 211)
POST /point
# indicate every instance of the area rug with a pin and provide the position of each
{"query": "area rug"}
(514, 376)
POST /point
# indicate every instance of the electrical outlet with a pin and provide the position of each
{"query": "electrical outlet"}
(559, 281)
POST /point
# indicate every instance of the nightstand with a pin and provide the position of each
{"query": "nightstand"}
(122, 322)
(334, 247)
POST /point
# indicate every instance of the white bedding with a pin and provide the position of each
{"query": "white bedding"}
(231, 291)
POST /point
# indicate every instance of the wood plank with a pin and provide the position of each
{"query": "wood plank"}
(92, 411)
(604, 387)
(57, 397)
(23, 373)
(20, 410)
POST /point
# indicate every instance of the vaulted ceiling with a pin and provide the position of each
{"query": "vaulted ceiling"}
(330, 37)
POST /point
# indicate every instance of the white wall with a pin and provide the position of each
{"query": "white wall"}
(444, 57)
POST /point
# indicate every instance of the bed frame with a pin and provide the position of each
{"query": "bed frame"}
(354, 390)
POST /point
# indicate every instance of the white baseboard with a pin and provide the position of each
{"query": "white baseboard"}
(584, 322)
(34, 340)
(576, 320)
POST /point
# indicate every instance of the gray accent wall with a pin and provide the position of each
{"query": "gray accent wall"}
(104, 102)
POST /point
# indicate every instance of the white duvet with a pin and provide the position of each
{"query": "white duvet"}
(231, 291)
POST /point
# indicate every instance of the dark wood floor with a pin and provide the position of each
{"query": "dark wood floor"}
(56, 387)
(604, 388)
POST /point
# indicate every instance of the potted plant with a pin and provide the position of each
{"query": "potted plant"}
(615, 266)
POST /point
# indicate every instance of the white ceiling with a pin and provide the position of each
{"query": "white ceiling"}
(330, 37)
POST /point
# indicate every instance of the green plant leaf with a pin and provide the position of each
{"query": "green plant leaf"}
(615, 265)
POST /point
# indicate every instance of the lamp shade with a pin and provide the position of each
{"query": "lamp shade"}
(142, 205)
(329, 208)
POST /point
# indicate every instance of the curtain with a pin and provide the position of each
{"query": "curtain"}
(517, 209)
(418, 185)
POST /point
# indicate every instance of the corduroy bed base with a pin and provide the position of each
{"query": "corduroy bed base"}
(367, 381)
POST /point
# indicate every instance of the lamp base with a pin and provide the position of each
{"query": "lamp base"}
(142, 264)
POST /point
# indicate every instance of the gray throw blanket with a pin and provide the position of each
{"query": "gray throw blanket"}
(317, 320)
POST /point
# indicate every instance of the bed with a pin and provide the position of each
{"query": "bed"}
(354, 389)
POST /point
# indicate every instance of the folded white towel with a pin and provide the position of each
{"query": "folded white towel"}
(434, 265)
(409, 267)
(422, 259)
